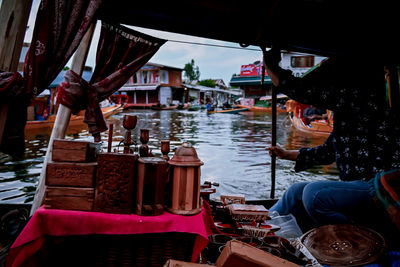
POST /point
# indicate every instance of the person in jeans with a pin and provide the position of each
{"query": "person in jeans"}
(365, 141)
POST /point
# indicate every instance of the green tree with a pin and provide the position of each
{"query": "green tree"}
(192, 72)
(207, 82)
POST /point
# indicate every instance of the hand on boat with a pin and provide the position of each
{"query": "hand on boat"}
(283, 153)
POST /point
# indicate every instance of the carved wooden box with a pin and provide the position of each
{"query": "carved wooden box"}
(71, 174)
(69, 198)
(74, 151)
(115, 183)
(151, 180)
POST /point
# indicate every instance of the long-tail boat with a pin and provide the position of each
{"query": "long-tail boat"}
(75, 119)
(264, 104)
(228, 111)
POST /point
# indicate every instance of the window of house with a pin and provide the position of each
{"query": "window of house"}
(144, 76)
(302, 61)
(163, 76)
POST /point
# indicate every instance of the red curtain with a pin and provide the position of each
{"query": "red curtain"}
(121, 53)
(59, 28)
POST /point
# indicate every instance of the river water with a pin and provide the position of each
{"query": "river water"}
(232, 147)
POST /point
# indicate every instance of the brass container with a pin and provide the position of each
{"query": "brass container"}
(144, 139)
(129, 122)
(185, 181)
(165, 148)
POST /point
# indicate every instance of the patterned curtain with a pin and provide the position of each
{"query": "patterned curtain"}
(121, 53)
(59, 28)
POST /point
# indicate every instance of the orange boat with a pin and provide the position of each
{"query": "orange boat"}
(318, 127)
(74, 121)
(265, 106)
(262, 109)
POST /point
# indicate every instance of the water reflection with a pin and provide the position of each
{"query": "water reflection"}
(232, 147)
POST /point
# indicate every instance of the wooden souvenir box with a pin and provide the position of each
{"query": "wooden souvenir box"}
(74, 151)
(115, 179)
(233, 199)
(151, 181)
(239, 254)
(244, 212)
(69, 198)
(71, 174)
(176, 263)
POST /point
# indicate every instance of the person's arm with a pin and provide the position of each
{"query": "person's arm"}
(307, 157)
(320, 155)
(283, 153)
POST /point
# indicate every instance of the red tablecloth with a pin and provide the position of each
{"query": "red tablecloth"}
(67, 223)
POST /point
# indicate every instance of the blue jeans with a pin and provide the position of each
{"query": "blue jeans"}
(327, 202)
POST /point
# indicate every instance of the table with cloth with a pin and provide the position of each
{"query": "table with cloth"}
(48, 226)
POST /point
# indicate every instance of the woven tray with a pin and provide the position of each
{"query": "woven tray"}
(116, 250)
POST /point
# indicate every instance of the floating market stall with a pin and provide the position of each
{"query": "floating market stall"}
(63, 28)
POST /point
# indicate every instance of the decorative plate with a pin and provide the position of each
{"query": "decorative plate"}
(344, 244)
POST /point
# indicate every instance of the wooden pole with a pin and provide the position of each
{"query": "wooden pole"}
(273, 143)
(62, 118)
(79, 60)
(273, 132)
(14, 16)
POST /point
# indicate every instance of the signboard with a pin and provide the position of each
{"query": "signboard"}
(249, 102)
(251, 70)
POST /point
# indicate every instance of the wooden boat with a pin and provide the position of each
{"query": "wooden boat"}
(319, 127)
(229, 111)
(264, 104)
(138, 106)
(75, 119)
(195, 108)
(262, 109)
(163, 107)
(225, 25)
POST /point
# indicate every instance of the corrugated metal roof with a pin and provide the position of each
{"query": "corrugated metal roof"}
(202, 88)
(248, 80)
(151, 64)
(139, 88)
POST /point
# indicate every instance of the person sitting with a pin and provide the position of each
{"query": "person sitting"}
(226, 105)
(313, 113)
(364, 142)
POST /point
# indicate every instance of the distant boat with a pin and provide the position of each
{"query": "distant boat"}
(75, 119)
(319, 127)
(262, 109)
(196, 107)
(263, 104)
(229, 111)
(163, 107)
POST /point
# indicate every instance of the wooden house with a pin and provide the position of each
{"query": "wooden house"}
(154, 84)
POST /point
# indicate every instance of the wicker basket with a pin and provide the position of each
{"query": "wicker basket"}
(116, 250)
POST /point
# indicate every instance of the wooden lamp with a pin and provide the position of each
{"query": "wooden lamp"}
(185, 181)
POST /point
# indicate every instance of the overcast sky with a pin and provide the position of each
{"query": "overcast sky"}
(214, 62)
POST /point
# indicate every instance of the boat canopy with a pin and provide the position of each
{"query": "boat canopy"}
(269, 98)
(324, 27)
(139, 88)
